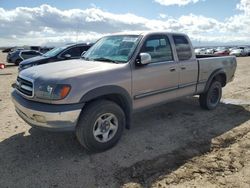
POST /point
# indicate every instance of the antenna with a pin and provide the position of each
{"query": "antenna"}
(77, 30)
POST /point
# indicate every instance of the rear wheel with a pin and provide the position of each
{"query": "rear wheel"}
(211, 98)
(100, 125)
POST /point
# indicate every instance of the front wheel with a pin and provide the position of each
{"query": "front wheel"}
(211, 98)
(100, 125)
(17, 62)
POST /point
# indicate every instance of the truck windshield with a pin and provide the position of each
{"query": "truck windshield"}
(116, 49)
(54, 51)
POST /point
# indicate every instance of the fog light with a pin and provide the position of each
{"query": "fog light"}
(39, 118)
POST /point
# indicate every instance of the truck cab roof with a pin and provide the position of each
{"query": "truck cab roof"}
(143, 33)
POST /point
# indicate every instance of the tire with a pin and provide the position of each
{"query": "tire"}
(211, 99)
(17, 62)
(98, 116)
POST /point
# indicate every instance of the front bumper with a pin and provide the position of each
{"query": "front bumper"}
(55, 117)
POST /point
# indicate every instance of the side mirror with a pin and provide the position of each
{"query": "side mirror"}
(83, 53)
(67, 56)
(145, 58)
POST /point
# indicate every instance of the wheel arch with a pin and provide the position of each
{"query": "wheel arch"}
(18, 61)
(116, 94)
(218, 75)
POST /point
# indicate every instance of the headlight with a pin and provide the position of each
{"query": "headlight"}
(53, 91)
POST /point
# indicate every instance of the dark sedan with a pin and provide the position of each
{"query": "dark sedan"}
(18, 56)
(57, 54)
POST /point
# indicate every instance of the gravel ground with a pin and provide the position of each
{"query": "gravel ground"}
(173, 145)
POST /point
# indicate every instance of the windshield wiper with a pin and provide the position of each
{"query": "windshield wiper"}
(105, 59)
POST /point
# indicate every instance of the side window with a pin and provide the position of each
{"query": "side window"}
(84, 48)
(33, 53)
(183, 49)
(25, 55)
(22, 54)
(159, 48)
(74, 52)
(36, 53)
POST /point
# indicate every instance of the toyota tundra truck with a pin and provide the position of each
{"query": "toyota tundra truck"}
(95, 96)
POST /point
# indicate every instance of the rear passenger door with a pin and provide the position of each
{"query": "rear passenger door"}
(158, 81)
(188, 66)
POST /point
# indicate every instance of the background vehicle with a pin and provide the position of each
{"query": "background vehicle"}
(210, 51)
(120, 74)
(12, 49)
(44, 50)
(41, 49)
(222, 51)
(56, 54)
(239, 52)
(20, 55)
(247, 50)
(200, 51)
(6, 50)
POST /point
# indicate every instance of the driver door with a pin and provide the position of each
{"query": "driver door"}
(158, 81)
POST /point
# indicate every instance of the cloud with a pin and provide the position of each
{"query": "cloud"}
(47, 21)
(163, 16)
(49, 25)
(244, 5)
(176, 2)
(239, 24)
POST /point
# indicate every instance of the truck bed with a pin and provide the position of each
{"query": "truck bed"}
(209, 64)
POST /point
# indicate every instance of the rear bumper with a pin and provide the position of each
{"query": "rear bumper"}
(47, 116)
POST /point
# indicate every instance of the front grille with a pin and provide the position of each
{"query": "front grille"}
(24, 86)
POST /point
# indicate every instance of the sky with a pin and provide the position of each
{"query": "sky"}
(56, 22)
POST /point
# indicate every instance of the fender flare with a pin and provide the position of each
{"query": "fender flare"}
(212, 76)
(112, 90)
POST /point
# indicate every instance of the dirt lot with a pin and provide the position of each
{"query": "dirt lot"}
(173, 145)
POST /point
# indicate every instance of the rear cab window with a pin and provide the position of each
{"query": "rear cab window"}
(183, 47)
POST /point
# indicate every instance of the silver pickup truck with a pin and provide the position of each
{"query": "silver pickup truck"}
(95, 96)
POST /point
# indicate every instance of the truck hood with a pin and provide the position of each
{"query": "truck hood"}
(67, 69)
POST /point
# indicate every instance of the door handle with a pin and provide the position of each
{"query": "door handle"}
(183, 68)
(172, 69)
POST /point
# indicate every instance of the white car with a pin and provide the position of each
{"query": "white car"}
(200, 51)
(210, 51)
(238, 52)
